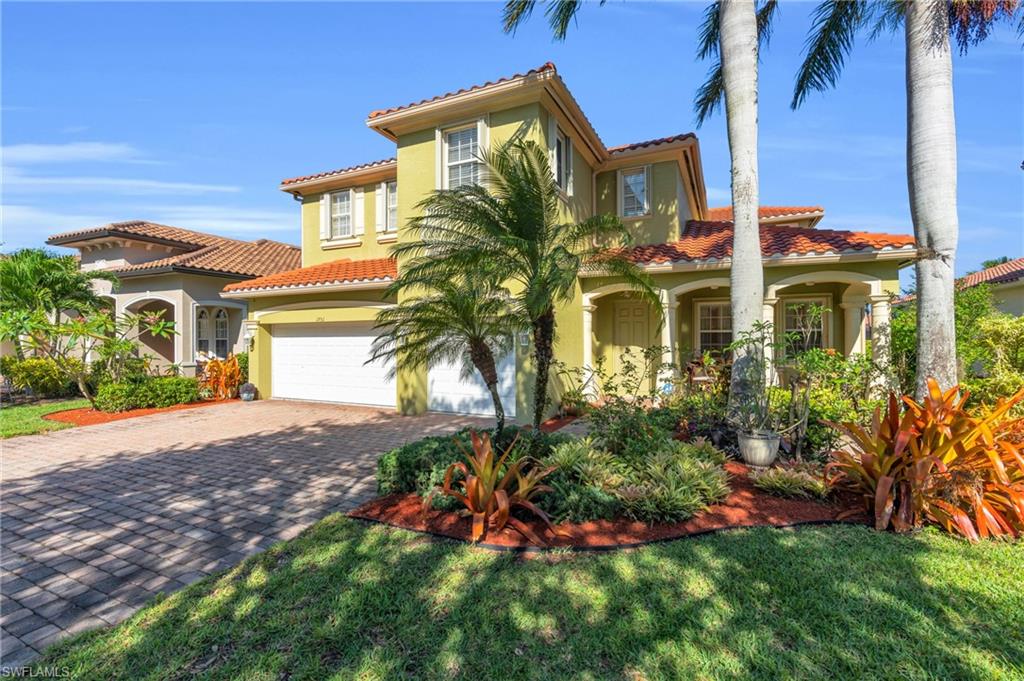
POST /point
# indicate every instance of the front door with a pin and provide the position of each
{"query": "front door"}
(632, 332)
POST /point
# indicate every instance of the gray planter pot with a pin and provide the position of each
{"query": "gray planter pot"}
(759, 449)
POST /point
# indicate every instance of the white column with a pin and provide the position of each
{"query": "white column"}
(768, 317)
(668, 335)
(588, 341)
(853, 327)
(880, 340)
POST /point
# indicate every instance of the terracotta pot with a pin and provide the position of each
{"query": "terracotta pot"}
(759, 449)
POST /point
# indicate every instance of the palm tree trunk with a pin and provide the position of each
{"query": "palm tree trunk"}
(543, 342)
(738, 36)
(483, 359)
(931, 179)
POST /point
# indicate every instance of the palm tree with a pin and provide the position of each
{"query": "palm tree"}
(510, 229)
(732, 32)
(33, 280)
(931, 137)
(466, 319)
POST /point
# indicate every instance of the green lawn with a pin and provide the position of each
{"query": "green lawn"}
(347, 600)
(27, 419)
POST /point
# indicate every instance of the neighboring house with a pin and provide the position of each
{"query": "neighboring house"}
(1006, 281)
(312, 327)
(179, 273)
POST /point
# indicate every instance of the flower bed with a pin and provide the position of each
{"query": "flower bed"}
(87, 416)
(745, 506)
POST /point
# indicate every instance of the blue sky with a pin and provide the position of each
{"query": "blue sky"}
(190, 114)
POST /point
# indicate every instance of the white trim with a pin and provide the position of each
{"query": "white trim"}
(148, 296)
(310, 288)
(325, 216)
(324, 304)
(716, 282)
(340, 243)
(482, 128)
(602, 291)
(358, 212)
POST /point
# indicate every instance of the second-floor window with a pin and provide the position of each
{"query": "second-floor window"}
(391, 203)
(341, 214)
(563, 160)
(461, 164)
(633, 192)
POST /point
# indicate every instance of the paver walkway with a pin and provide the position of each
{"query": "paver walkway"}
(95, 521)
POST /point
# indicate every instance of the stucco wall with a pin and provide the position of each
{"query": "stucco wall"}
(1010, 298)
(662, 224)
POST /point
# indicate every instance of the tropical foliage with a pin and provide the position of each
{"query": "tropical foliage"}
(490, 489)
(154, 391)
(467, 319)
(935, 461)
(511, 229)
(220, 378)
(34, 282)
(793, 483)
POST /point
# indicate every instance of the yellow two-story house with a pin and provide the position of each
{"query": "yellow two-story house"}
(311, 328)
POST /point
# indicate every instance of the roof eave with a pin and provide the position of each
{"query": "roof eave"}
(309, 288)
(384, 170)
(71, 239)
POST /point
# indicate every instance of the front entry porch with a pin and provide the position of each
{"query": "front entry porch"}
(695, 318)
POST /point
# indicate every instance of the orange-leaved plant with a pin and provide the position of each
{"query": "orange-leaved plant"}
(935, 461)
(221, 378)
(489, 491)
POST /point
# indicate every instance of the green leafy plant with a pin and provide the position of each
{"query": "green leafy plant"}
(116, 397)
(221, 378)
(41, 375)
(490, 490)
(790, 482)
(935, 461)
(156, 392)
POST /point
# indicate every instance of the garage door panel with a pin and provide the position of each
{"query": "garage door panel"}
(449, 392)
(326, 362)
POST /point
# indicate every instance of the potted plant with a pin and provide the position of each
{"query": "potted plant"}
(758, 423)
(247, 391)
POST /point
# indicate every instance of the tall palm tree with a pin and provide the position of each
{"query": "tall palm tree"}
(732, 32)
(931, 137)
(466, 319)
(510, 229)
(33, 279)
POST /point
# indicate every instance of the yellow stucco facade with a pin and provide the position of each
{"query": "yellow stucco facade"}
(586, 327)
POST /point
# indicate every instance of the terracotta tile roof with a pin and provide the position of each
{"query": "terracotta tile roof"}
(712, 241)
(548, 66)
(202, 252)
(140, 228)
(724, 213)
(651, 143)
(999, 274)
(344, 271)
(340, 171)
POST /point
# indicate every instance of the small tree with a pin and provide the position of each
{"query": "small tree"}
(69, 342)
(467, 319)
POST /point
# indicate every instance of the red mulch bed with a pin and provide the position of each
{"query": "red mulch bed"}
(746, 506)
(87, 416)
(556, 422)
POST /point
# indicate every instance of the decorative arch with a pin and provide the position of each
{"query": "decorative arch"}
(147, 297)
(606, 290)
(874, 284)
(716, 282)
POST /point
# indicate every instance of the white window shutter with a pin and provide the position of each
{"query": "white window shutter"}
(439, 152)
(568, 166)
(483, 142)
(647, 189)
(618, 193)
(359, 219)
(552, 137)
(379, 207)
(325, 217)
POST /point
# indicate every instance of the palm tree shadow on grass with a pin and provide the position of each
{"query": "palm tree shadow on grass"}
(348, 598)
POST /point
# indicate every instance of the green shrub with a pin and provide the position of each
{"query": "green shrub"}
(790, 482)
(629, 430)
(419, 466)
(243, 365)
(41, 375)
(114, 397)
(580, 503)
(165, 391)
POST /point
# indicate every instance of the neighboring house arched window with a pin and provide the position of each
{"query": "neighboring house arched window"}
(220, 324)
(202, 331)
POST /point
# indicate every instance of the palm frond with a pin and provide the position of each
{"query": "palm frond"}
(830, 40)
(516, 12)
(710, 95)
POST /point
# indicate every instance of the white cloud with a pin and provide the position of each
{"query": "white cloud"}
(22, 225)
(70, 152)
(16, 182)
(245, 223)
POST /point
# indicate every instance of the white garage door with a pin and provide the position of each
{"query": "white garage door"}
(325, 363)
(448, 392)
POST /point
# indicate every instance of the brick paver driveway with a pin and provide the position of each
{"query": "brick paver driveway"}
(95, 521)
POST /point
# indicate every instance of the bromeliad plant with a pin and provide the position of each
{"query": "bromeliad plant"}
(489, 489)
(937, 462)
